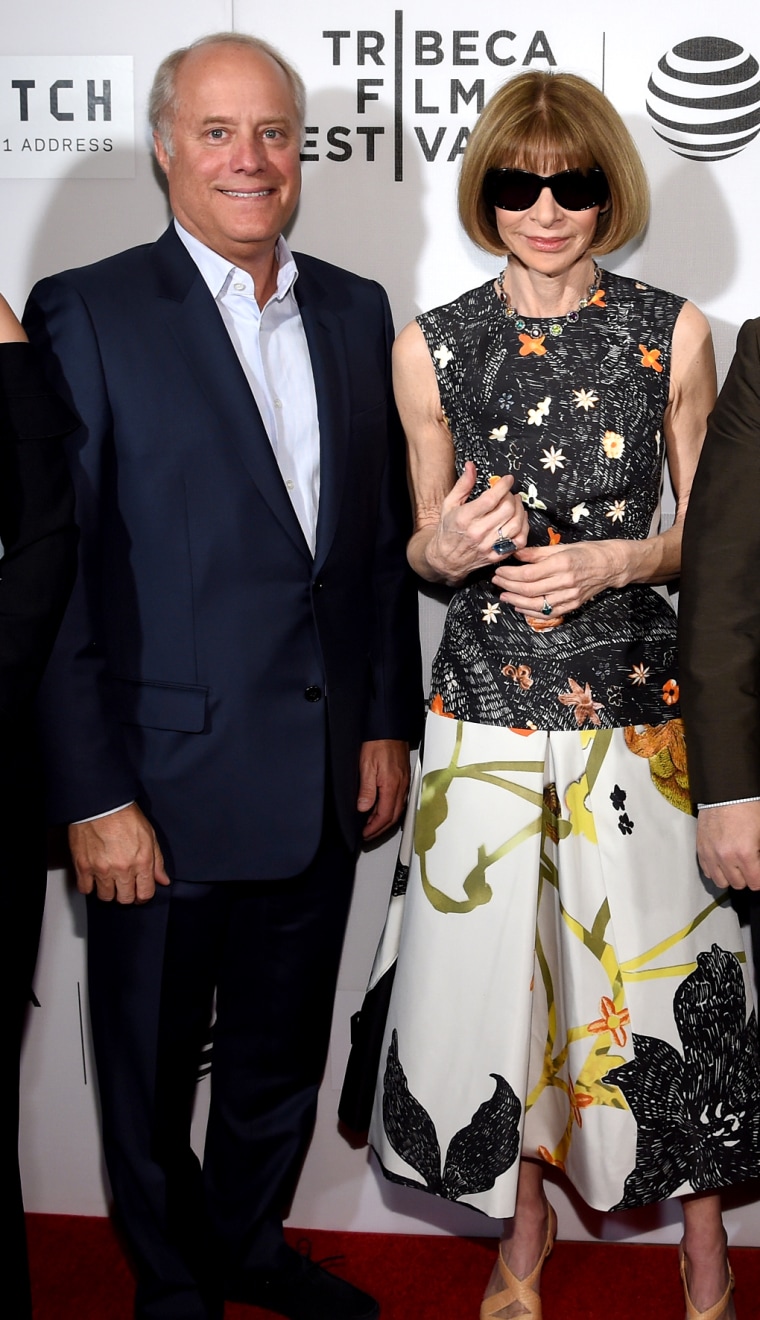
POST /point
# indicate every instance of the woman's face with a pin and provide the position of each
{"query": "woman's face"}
(546, 238)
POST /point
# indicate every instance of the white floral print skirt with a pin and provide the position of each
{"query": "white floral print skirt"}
(568, 987)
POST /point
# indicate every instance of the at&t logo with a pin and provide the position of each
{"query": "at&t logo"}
(704, 98)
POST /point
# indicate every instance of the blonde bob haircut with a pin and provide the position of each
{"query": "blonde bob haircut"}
(546, 122)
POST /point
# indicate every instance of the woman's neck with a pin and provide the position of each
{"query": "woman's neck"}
(534, 293)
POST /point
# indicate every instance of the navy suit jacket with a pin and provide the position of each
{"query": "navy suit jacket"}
(208, 665)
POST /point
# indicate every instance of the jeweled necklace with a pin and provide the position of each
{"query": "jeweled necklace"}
(555, 327)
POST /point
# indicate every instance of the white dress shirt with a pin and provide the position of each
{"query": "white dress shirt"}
(271, 347)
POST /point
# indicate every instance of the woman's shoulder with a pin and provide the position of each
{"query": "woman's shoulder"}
(625, 289)
(471, 306)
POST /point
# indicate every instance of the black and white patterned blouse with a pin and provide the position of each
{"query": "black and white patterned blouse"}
(573, 409)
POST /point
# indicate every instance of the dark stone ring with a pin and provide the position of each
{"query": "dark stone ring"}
(502, 545)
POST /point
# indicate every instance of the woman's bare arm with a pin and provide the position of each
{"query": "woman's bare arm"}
(453, 534)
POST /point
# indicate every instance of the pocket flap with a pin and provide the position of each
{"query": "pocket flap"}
(161, 705)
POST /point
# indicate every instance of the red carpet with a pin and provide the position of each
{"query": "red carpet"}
(79, 1272)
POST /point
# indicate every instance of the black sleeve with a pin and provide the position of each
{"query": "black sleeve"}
(37, 526)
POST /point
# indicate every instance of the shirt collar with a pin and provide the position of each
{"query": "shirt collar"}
(217, 270)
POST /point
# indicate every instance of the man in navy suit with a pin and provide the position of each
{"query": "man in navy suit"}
(231, 699)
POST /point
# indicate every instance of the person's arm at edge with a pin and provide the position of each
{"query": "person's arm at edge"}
(11, 329)
(36, 524)
(719, 629)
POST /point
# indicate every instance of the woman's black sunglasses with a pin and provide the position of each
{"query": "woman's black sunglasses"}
(573, 190)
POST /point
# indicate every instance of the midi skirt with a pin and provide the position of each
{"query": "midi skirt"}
(568, 986)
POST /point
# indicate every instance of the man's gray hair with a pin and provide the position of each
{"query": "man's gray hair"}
(163, 101)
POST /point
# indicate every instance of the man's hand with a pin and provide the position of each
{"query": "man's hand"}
(728, 844)
(383, 783)
(118, 856)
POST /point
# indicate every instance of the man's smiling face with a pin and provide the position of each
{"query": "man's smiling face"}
(234, 171)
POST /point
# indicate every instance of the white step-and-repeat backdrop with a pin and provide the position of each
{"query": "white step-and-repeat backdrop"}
(393, 92)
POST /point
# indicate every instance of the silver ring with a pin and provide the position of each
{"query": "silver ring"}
(546, 608)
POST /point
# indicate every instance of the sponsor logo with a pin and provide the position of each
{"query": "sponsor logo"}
(434, 83)
(704, 98)
(67, 116)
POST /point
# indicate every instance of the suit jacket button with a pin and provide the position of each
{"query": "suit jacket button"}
(313, 693)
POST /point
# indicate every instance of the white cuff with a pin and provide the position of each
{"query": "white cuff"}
(734, 802)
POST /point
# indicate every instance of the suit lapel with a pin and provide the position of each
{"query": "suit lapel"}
(324, 336)
(194, 321)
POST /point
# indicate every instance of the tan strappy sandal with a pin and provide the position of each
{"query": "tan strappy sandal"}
(524, 1291)
(721, 1308)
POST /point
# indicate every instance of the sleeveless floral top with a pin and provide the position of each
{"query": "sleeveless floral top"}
(573, 409)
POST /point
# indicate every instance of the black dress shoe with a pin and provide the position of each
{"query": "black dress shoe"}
(302, 1290)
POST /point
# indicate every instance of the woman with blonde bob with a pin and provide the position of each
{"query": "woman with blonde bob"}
(570, 995)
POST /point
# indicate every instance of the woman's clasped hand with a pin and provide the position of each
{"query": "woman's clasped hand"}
(468, 529)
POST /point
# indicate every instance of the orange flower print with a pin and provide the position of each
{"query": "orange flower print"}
(548, 1158)
(664, 747)
(650, 357)
(533, 344)
(539, 624)
(554, 536)
(520, 674)
(582, 702)
(436, 706)
(597, 299)
(579, 1100)
(670, 692)
(611, 1020)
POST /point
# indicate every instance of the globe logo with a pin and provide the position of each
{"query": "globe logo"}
(704, 98)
